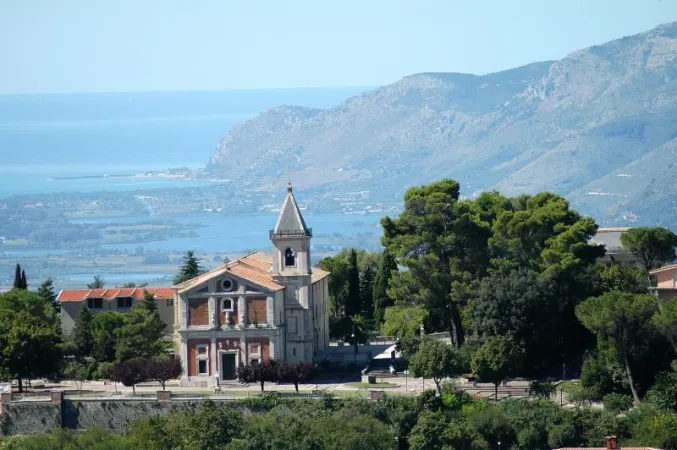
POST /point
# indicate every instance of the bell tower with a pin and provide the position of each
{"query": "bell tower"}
(291, 241)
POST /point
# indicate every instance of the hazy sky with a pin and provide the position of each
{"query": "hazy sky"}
(138, 45)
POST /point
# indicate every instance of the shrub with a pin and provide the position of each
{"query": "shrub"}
(617, 403)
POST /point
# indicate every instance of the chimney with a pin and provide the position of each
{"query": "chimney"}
(611, 442)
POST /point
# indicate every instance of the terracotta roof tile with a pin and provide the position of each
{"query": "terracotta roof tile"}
(256, 276)
(256, 267)
(318, 274)
(664, 268)
(78, 295)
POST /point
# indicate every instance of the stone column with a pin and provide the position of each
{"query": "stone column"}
(243, 350)
(183, 312)
(212, 356)
(242, 310)
(270, 312)
(213, 312)
(184, 356)
(271, 352)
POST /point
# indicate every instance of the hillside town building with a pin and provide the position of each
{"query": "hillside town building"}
(113, 299)
(259, 307)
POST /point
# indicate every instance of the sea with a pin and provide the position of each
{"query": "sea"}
(66, 143)
(46, 138)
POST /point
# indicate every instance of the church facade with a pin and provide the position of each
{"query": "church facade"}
(261, 306)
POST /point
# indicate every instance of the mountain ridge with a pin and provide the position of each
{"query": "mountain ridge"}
(574, 126)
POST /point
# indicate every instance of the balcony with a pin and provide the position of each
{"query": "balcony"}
(291, 233)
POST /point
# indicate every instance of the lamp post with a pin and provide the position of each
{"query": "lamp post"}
(499, 445)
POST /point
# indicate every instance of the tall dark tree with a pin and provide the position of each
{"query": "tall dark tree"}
(98, 283)
(380, 293)
(17, 276)
(367, 293)
(46, 292)
(83, 339)
(24, 281)
(190, 268)
(353, 304)
(651, 245)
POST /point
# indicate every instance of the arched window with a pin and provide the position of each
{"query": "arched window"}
(289, 257)
(227, 304)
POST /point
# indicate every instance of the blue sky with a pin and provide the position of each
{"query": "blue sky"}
(139, 45)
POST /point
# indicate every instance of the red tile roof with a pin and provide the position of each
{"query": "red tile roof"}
(256, 267)
(78, 295)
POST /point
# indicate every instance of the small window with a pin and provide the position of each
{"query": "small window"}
(227, 304)
(170, 302)
(255, 360)
(202, 360)
(94, 303)
(227, 285)
(124, 302)
(289, 257)
(293, 351)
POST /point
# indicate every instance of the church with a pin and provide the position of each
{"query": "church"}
(261, 306)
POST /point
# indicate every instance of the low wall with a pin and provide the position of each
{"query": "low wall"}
(34, 417)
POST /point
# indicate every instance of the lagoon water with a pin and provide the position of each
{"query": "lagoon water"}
(44, 137)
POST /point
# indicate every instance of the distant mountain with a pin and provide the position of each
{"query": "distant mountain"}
(599, 127)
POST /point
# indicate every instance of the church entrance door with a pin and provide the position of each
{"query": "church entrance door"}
(228, 366)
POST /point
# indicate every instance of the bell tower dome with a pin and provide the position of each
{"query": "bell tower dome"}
(291, 241)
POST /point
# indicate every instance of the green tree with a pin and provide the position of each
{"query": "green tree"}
(436, 360)
(624, 319)
(17, 277)
(24, 282)
(380, 293)
(353, 306)
(46, 292)
(664, 391)
(190, 268)
(401, 321)
(82, 333)
(666, 321)
(651, 245)
(30, 337)
(98, 283)
(148, 302)
(338, 283)
(105, 326)
(520, 304)
(623, 279)
(367, 293)
(498, 358)
(429, 432)
(141, 336)
(78, 372)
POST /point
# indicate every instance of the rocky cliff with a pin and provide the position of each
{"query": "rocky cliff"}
(598, 126)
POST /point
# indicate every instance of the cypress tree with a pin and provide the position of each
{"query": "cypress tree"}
(189, 269)
(353, 304)
(17, 276)
(24, 282)
(367, 293)
(380, 294)
(83, 339)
